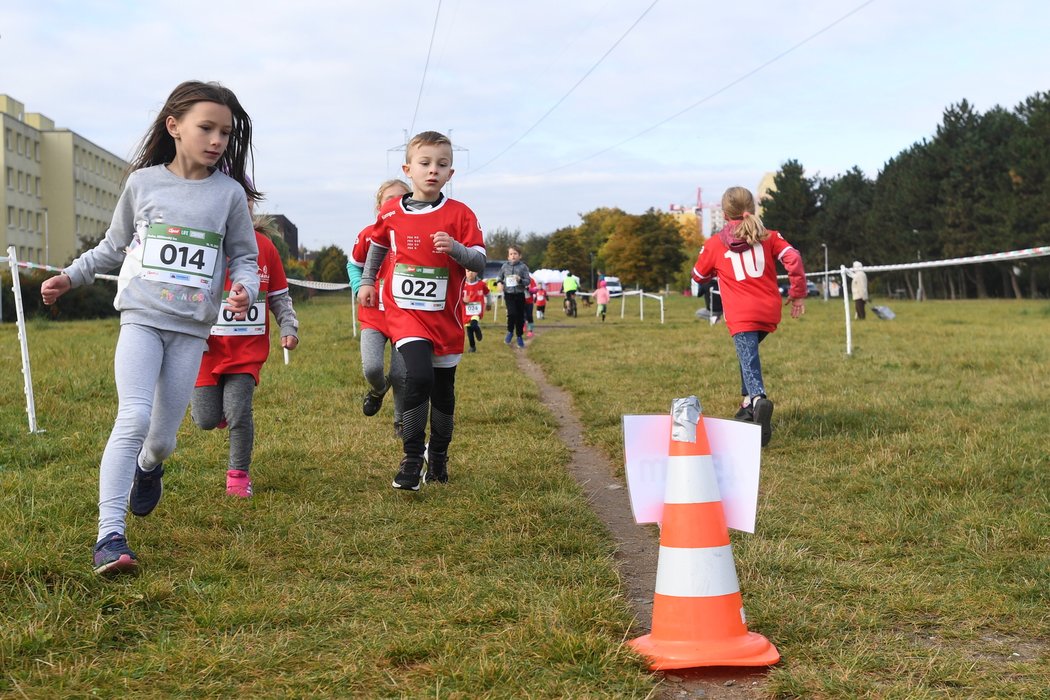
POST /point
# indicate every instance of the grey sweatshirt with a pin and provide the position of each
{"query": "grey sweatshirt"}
(514, 270)
(156, 195)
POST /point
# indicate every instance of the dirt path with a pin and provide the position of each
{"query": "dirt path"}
(637, 547)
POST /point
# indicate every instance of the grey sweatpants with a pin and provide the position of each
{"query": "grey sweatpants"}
(230, 398)
(373, 349)
(155, 371)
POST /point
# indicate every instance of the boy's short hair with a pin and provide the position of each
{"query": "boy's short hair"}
(426, 138)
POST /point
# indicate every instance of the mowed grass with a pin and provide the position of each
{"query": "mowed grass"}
(328, 581)
(902, 550)
(903, 536)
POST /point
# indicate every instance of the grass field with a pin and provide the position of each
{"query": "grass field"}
(902, 549)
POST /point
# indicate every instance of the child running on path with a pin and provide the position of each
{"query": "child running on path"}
(374, 330)
(433, 240)
(743, 256)
(474, 292)
(236, 351)
(178, 223)
(514, 280)
(601, 298)
(541, 302)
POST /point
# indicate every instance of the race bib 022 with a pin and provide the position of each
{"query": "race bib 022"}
(419, 288)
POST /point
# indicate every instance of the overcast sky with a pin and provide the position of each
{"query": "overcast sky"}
(556, 108)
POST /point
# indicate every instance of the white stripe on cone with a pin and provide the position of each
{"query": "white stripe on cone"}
(689, 572)
(691, 479)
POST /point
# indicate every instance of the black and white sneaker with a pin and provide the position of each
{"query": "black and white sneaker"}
(410, 474)
(762, 408)
(437, 467)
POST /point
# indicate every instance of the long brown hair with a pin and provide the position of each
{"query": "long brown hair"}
(158, 147)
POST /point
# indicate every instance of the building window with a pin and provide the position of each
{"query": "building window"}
(9, 139)
(10, 216)
(10, 178)
(38, 187)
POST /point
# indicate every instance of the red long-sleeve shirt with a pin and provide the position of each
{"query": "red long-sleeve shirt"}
(747, 279)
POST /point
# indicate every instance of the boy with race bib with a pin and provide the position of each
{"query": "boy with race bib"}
(237, 349)
(434, 240)
(179, 223)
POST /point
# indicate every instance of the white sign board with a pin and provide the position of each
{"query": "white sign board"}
(735, 450)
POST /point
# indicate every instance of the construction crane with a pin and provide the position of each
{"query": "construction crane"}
(715, 218)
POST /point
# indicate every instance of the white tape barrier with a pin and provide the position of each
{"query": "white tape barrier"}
(1036, 252)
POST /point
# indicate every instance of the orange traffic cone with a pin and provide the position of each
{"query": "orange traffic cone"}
(698, 614)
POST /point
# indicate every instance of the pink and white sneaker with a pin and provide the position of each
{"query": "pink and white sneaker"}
(238, 483)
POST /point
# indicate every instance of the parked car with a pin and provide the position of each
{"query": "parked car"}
(811, 289)
(614, 286)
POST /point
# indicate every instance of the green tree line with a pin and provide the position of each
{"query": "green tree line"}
(979, 185)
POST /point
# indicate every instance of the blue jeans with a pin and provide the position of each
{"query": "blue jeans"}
(750, 365)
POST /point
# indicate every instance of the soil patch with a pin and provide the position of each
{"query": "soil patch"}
(637, 548)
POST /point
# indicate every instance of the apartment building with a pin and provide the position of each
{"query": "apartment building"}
(59, 188)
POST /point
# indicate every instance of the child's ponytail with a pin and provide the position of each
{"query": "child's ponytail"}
(738, 204)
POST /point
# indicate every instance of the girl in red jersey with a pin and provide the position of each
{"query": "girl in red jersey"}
(474, 292)
(236, 351)
(743, 256)
(432, 241)
(374, 331)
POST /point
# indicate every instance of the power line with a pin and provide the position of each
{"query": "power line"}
(571, 90)
(717, 92)
(422, 82)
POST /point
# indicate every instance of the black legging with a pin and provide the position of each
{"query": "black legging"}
(428, 389)
(515, 313)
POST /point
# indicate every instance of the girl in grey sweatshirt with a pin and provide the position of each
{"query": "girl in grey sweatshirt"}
(178, 223)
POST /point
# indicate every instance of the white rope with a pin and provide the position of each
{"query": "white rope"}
(1036, 252)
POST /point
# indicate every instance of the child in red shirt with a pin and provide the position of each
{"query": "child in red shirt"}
(743, 256)
(541, 302)
(474, 293)
(434, 241)
(374, 332)
(236, 351)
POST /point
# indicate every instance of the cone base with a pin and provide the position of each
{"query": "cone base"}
(748, 650)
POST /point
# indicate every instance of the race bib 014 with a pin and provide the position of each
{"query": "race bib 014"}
(180, 255)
